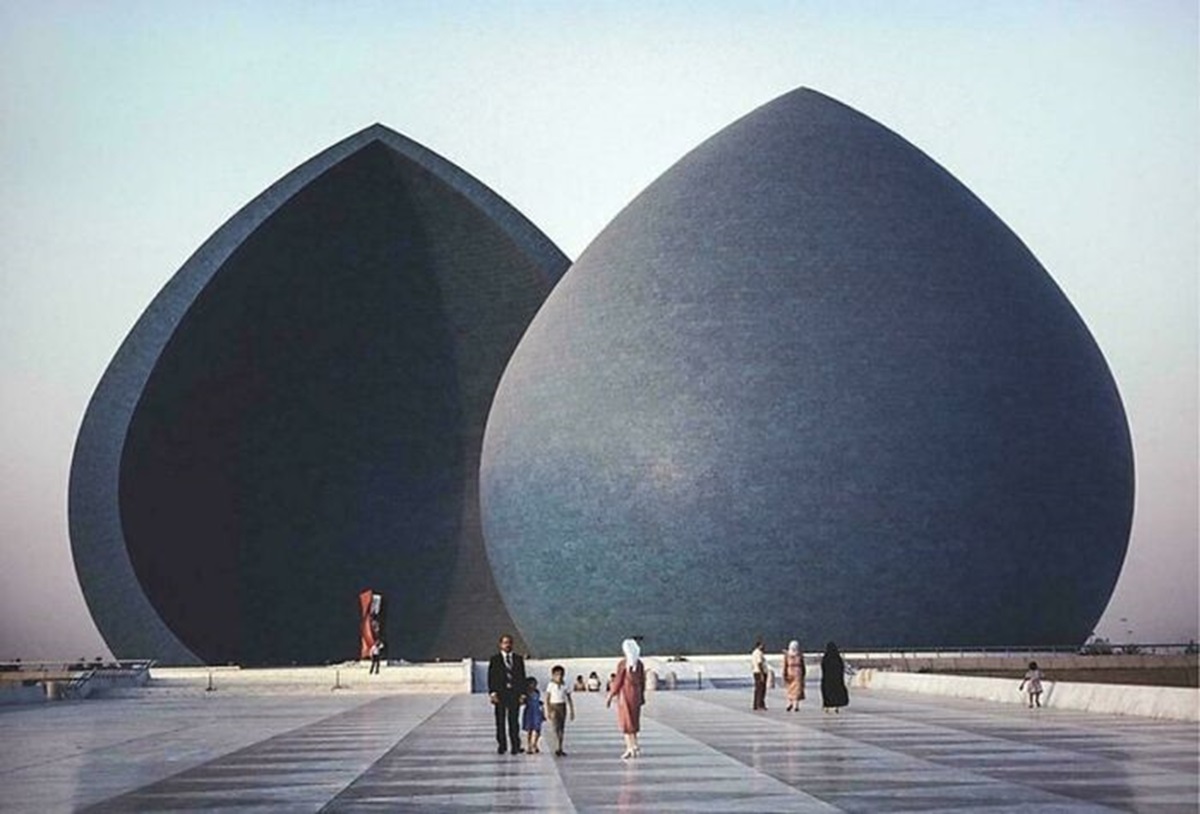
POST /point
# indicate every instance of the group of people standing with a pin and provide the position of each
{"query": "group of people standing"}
(833, 677)
(519, 705)
(510, 690)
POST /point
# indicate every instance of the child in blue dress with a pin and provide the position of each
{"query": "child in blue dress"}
(532, 718)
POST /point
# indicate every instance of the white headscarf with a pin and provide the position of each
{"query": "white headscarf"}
(632, 653)
(793, 647)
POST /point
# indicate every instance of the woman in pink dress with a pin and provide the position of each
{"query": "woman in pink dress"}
(629, 689)
(793, 675)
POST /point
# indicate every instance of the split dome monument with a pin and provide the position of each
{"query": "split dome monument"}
(805, 384)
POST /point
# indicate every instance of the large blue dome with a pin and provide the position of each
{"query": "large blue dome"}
(806, 384)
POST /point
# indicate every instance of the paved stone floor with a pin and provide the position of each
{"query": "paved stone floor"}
(703, 751)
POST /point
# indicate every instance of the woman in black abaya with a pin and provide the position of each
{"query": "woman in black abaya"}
(833, 680)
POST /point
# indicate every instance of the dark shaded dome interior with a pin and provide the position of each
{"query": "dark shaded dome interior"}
(312, 426)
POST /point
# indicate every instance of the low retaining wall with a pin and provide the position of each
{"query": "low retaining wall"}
(699, 672)
(1156, 669)
(1173, 703)
(439, 677)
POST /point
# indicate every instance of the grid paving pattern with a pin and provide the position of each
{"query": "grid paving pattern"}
(703, 751)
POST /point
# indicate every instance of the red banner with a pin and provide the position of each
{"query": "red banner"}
(368, 622)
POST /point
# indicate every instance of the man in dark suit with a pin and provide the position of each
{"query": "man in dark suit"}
(506, 691)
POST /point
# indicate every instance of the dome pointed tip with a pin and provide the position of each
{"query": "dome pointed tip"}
(377, 130)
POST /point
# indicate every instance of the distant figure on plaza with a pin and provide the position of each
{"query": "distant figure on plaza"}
(506, 691)
(580, 684)
(793, 675)
(833, 680)
(1032, 684)
(558, 704)
(376, 655)
(629, 690)
(532, 717)
(758, 669)
(593, 682)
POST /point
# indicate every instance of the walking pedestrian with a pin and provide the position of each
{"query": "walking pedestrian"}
(1032, 684)
(506, 691)
(758, 669)
(794, 673)
(558, 705)
(833, 680)
(629, 690)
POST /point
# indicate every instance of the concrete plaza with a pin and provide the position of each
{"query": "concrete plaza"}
(156, 749)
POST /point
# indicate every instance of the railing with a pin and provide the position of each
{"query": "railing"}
(25, 668)
(74, 679)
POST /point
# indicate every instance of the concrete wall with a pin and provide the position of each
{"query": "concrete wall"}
(1175, 703)
(1181, 667)
(437, 677)
(700, 672)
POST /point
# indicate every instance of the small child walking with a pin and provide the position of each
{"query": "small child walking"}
(1032, 684)
(531, 720)
(558, 704)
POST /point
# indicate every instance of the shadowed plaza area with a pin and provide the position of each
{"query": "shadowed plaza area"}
(703, 751)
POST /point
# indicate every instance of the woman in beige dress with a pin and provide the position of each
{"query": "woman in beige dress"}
(793, 675)
(629, 690)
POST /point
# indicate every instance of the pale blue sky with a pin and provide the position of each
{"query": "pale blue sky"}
(130, 131)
